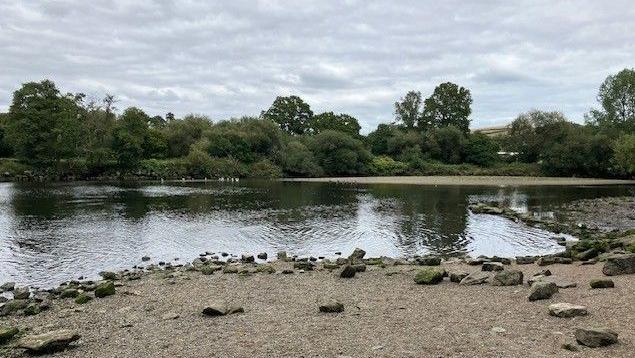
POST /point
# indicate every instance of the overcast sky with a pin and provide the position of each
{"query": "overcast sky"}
(232, 58)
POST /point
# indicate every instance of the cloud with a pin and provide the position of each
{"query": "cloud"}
(228, 59)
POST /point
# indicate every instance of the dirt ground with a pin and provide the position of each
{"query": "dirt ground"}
(386, 315)
(470, 180)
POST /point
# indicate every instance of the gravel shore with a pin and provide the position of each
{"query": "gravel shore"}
(470, 180)
(386, 315)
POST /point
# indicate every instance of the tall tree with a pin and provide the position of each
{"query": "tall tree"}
(408, 110)
(130, 135)
(291, 113)
(449, 105)
(337, 122)
(617, 97)
(43, 125)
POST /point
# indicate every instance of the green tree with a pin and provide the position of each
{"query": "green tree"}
(340, 154)
(379, 139)
(298, 161)
(445, 144)
(481, 150)
(181, 134)
(532, 132)
(98, 124)
(579, 153)
(129, 139)
(408, 110)
(617, 98)
(5, 147)
(291, 113)
(449, 105)
(337, 122)
(624, 154)
(43, 125)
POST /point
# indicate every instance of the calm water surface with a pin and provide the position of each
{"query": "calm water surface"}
(50, 233)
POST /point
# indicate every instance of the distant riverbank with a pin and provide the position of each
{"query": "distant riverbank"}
(470, 180)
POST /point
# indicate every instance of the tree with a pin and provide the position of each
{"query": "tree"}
(378, 139)
(532, 132)
(337, 122)
(481, 150)
(43, 125)
(445, 144)
(449, 105)
(408, 110)
(129, 140)
(339, 154)
(299, 161)
(617, 97)
(98, 124)
(181, 134)
(291, 113)
(624, 154)
(580, 153)
(5, 147)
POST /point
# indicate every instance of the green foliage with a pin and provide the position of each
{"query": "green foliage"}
(264, 169)
(449, 105)
(408, 110)
(5, 147)
(378, 139)
(624, 154)
(181, 134)
(530, 133)
(129, 139)
(298, 161)
(578, 153)
(445, 144)
(386, 166)
(617, 97)
(337, 122)
(43, 125)
(291, 113)
(481, 150)
(340, 154)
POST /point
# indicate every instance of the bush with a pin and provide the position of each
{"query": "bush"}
(445, 144)
(624, 154)
(481, 150)
(340, 154)
(298, 160)
(264, 169)
(386, 166)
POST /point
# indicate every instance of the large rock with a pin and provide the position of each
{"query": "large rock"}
(262, 256)
(331, 306)
(476, 278)
(347, 271)
(595, 337)
(429, 276)
(525, 260)
(304, 265)
(7, 286)
(428, 261)
(282, 256)
(13, 306)
(601, 283)
(108, 275)
(458, 276)
(105, 289)
(550, 260)
(619, 265)
(48, 342)
(508, 278)
(357, 255)
(221, 308)
(560, 282)
(247, 258)
(6, 333)
(492, 266)
(542, 290)
(567, 310)
(21, 293)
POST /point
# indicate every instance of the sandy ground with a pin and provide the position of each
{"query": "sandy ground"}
(385, 316)
(470, 180)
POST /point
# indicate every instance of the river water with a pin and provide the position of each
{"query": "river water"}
(50, 233)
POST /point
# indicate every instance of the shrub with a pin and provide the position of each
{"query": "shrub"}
(385, 166)
(264, 169)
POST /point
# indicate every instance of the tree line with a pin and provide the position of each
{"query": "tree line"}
(57, 134)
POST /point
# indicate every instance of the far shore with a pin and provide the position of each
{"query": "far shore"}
(469, 180)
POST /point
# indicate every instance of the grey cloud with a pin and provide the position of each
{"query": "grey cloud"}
(227, 59)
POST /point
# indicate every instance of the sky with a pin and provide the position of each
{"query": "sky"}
(232, 58)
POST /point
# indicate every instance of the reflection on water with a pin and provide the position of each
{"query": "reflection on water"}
(55, 232)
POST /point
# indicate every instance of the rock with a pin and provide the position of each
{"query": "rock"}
(546, 272)
(475, 262)
(429, 276)
(498, 330)
(481, 208)
(331, 306)
(221, 309)
(105, 289)
(357, 255)
(210, 269)
(69, 293)
(492, 266)
(247, 258)
(287, 272)
(428, 261)
(304, 265)
(476, 278)
(341, 261)
(567, 310)
(282, 256)
(107, 275)
(262, 256)
(542, 290)
(525, 260)
(48, 342)
(266, 269)
(6, 333)
(619, 265)
(503, 260)
(170, 316)
(145, 258)
(230, 269)
(587, 255)
(330, 265)
(359, 267)
(83, 298)
(7, 286)
(347, 271)
(338, 253)
(458, 276)
(313, 259)
(570, 347)
(13, 306)
(508, 278)
(595, 337)
(21, 293)
(32, 309)
(601, 283)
